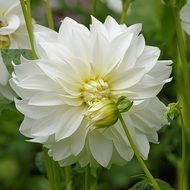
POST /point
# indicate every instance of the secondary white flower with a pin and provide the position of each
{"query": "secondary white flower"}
(76, 69)
(13, 33)
(185, 17)
(115, 5)
(5, 89)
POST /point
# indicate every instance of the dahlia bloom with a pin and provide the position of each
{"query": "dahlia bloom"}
(185, 17)
(64, 93)
(5, 89)
(13, 33)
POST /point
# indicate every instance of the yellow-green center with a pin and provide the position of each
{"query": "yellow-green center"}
(95, 90)
(4, 39)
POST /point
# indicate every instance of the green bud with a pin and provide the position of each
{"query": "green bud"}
(124, 104)
(173, 111)
(103, 113)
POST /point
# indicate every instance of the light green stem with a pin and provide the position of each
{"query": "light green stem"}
(93, 11)
(87, 178)
(68, 178)
(52, 171)
(183, 168)
(49, 14)
(125, 6)
(183, 80)
(153, 182)
(26, 8)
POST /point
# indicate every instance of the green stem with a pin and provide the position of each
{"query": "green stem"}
(125, 6)
(153, 182)
(52, 171)
(87, 178)
(93, 11)
(183, 80)
(26, 8)
(49, 14)
(183, 177)
(68, 178)
(183, 69)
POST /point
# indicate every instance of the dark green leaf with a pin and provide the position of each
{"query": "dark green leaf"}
(143, 185)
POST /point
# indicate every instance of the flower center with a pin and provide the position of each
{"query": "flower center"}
(95, 90)
(3, 22)
(4, 41)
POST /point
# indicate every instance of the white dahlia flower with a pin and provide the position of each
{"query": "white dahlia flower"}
(13, 33)
(67, 94)
(185, 17)
(5, 89)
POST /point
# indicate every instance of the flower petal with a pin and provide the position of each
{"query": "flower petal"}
(101, 148)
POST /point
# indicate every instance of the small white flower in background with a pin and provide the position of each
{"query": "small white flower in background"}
(13, 33)
(68, 94)
(5, 89)
(115, 5)
(185, 17)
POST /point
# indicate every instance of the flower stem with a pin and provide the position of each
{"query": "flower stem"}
(26, 8)
(49, 14)
(125, 6)
(87, 178)
(93, 11)
(183, 80)
(52, 171)
(183, 169)
(68, 178)
(153, 182)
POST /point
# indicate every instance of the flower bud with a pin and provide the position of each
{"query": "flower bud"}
(173, 111)
(103, 113)
(124, 104)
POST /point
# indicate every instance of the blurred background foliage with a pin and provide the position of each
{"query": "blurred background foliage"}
(21, 163)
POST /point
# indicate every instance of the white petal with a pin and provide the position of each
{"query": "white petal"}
(123, 148)
(142, 145)
(127, 79)
(148, 58)
(97, 27)
(101, 148)
(21, 37)
(39, 82)
(5, 5)
(13, 24)
(71, 121)
(4, 74)
(77, 140)
(112, 27)
(185, 17)
(151, 120)
(33, 111)
(46, 99)
(61, 150)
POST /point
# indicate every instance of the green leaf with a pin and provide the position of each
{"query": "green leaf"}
(5, 104)
(13, 55)
(144, 185)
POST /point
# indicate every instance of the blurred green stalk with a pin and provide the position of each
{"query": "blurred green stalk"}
(125, 6)
(183, 84)
(93, 11)
(68, 178)
(26, 8)
(52, 169)
(49, 14)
